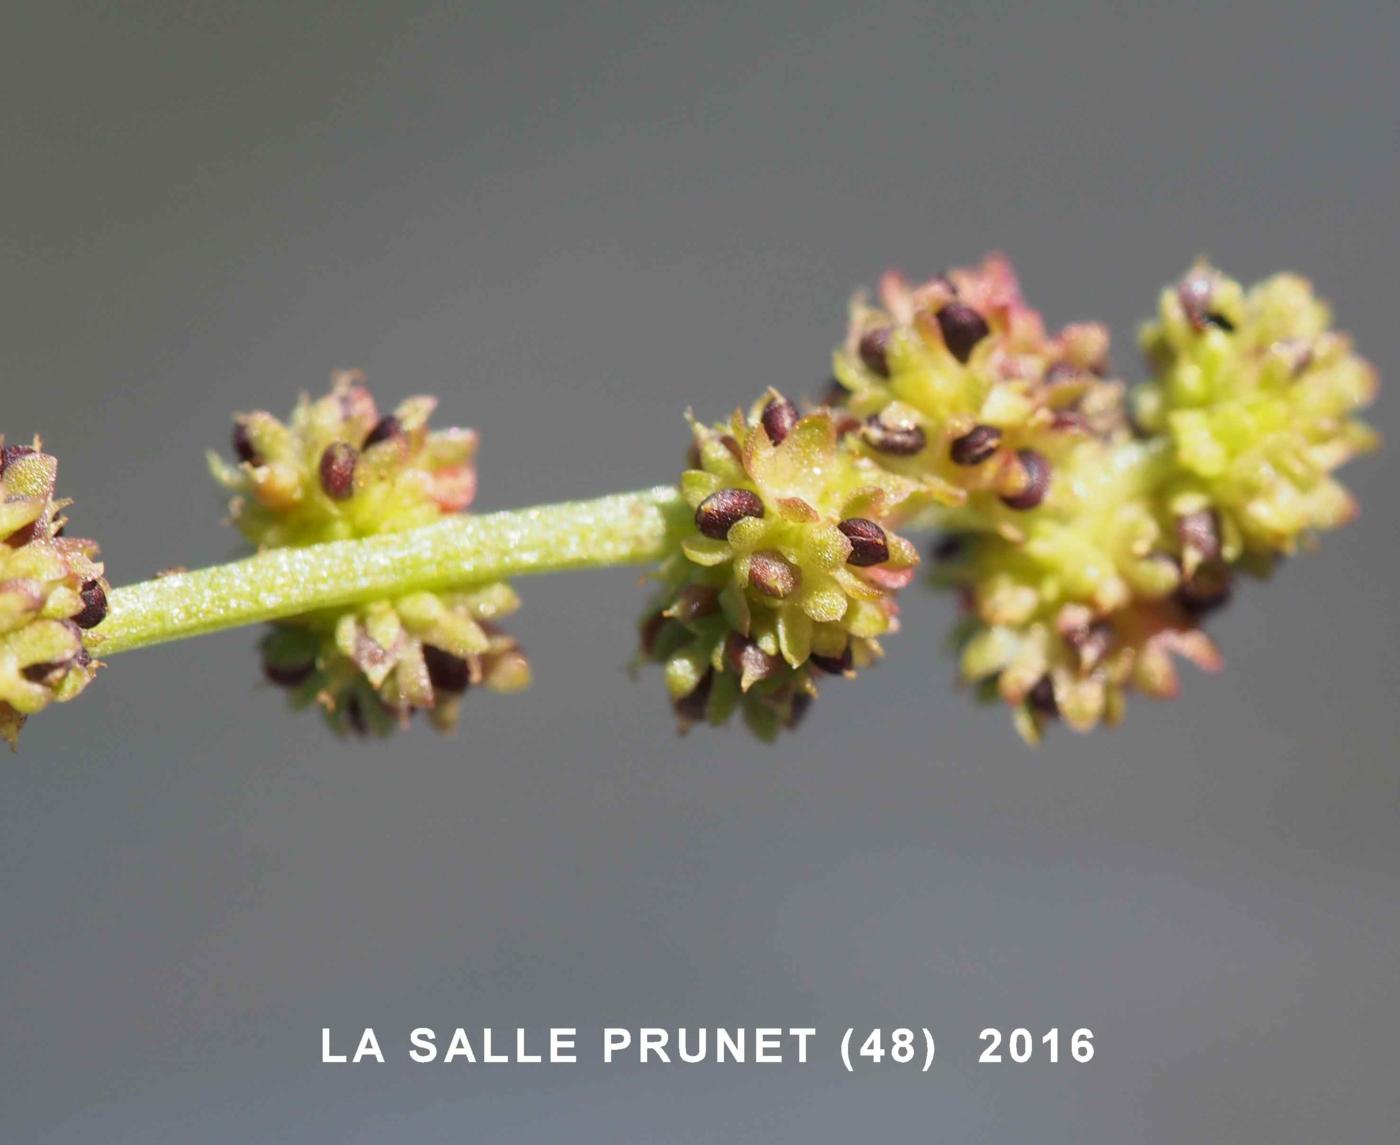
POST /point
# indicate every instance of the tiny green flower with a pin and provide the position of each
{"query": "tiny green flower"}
(790, 571)
(51, 590)
(338, 470)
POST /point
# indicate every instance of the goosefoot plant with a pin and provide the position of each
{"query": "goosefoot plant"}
(1088, 532)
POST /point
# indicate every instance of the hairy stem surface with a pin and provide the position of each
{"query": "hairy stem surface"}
(621, 529)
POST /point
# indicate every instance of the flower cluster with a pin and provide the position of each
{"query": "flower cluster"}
(337, 470)
(789, 572)
(1087, 545)
(51, 589)
(1255, 395)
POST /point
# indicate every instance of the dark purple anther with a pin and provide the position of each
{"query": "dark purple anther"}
(1205, 592)
(897, 441)
(1035, 472)
(721, 510)
(288, 675)
(874, 349)
(94, 605)
(834, 665)
(692, 705)
(779, 416)
(962, 329)
(1042, 698)
(868, 543)
(446, 672)
(387, 427)
(975, 446)
(338, 470)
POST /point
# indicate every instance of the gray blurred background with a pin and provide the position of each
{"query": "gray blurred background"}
(571, 222)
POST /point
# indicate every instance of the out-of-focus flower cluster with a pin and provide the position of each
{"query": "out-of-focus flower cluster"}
(339, 469)
(789, 574)
(1086, 546)
(1256, 396)
(51, 589)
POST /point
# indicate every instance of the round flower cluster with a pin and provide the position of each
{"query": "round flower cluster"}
(1020, 433)
(338, 469)
(789, 572)
(1086, 546)
(1255, 395)
(51, 589)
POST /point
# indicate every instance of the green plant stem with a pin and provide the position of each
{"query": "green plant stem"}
(622, 529)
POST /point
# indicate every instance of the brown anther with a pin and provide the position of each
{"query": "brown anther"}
(94, 605)
(975, 446)
(243, 446)
(288, 675)
(897, 441)
(1042, 698)
(874, 350)
(721, 510)
(747, 659)
(651, 631)
(692, 705)
(801, 702)
(387, 427)
(1206, 591)
(869, 545)
(949, 547)
(355, 716)
(834, 665)
(48, 672)
(696, 601)
(1034, 484)
(338, 470)
(773, 576)
(962, 329)
(447, 673)
(779, 416)
(1200, 531)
